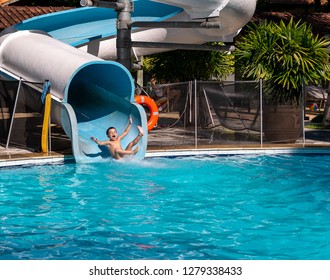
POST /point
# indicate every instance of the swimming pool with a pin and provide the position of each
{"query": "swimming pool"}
(234, 207)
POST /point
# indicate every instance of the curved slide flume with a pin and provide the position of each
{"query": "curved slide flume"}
(93, 29)
(90, 92)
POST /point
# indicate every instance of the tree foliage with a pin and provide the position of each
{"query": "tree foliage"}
(287, 56)
(186, 65)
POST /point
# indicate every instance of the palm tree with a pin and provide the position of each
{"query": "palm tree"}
(285, 56)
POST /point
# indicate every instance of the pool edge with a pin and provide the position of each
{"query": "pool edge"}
(55, 158)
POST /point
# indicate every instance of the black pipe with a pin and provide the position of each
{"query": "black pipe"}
(178, 24)
(141, 44)
(124, 42)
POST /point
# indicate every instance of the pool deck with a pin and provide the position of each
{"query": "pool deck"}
(317, 142)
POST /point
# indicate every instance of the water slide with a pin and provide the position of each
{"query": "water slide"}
(89, 94)
(75, 49)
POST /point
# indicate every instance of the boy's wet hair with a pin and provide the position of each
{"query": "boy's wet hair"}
(111, 127)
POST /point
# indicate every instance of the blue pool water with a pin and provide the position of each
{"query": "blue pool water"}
(238, 207)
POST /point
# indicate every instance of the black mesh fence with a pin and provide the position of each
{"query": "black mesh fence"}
(236, 106)
(193, 114)
(200, 113)
(21, 117)
(21, 125)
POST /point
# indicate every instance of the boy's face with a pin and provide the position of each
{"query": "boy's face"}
(112, 134)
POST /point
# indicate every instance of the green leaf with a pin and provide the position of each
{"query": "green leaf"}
(285, 55)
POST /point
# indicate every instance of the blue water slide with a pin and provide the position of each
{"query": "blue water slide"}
(89, 94)
(96, 94)
(99, 95)
(82, 25)
(93, 29)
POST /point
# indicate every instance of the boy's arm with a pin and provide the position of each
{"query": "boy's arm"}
(130, 121)
(101, 143)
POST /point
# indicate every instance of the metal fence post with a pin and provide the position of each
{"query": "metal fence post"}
(196, 143)
(303, 101)
(13, 114)
(261, 114)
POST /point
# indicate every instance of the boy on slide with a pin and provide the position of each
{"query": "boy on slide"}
(114, 144)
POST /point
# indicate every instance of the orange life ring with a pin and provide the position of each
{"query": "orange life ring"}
(152, 106)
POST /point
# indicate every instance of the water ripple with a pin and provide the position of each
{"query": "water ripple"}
(235, 207)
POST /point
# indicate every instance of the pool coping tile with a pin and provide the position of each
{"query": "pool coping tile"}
(33, 159)
(27, 159)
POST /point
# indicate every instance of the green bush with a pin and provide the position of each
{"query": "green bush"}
(286, 56)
